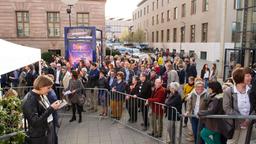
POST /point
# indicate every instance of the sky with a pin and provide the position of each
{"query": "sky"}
(121, 8)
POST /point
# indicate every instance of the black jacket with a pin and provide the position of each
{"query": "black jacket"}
(36, 116)
(174, 103)
(144, 90)
(103, 83)
(191, 71)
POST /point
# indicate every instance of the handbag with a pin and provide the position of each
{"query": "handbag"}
(228, 128)
(229, 125)
(81, 100)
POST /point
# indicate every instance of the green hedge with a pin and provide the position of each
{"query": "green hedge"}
(112, 52)
(11, 120)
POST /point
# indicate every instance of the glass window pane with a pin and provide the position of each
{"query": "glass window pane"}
(57, 32)
(50, 25)
(19, 17)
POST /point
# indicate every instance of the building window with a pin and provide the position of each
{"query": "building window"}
(83, 19)
(204, 32)
(237, 4)
(162, 17)
(205, 5)
(153, 37)
(182, 52)
(144, 10)
(162, 3)
(153, 6)
(55, 51)
(168, 35)
(157, 21)
(175, 13)
(53, 20)
(147, 9)
(203, 55)
(157, 36)
(140, 13)
(192, 33)
(193, 7)
(22, 19)
(174, 35)
(191, 52)
(182, 34)
(162, 35)
(183, 10)
(236, 31)
(153, 20)
(168, 15)
(157, 4)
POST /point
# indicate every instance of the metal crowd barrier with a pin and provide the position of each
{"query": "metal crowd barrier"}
(126, 110)
(131, 112)
(9, 136)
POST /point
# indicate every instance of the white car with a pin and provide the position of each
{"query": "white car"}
(140, 55)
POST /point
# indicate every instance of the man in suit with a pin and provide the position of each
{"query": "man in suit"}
(128, 73)
(144, 93)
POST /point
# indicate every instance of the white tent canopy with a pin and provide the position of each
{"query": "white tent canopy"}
(14, 56)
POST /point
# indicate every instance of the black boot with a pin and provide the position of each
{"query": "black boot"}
(80, 119)
(72, 119)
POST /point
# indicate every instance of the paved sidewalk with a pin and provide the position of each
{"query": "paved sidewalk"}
(98, 131)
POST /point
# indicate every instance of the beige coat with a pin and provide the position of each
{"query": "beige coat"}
(192, 101)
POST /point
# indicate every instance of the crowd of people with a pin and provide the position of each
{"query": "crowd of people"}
(148, 84)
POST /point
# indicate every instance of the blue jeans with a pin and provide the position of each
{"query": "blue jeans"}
(206, 81)
(194, 123)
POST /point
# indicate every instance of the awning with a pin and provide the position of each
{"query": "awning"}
(14, 56)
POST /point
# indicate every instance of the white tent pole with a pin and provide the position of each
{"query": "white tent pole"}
(1, 92)
(40, 68)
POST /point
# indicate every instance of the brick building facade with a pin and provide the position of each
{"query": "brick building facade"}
(40, 23)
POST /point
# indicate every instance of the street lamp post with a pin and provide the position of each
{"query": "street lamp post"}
(69, 3)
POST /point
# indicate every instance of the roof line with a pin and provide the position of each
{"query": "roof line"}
(143, 1)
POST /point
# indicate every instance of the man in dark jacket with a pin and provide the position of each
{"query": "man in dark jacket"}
(144, 93)
(191, 69)
(92, 83)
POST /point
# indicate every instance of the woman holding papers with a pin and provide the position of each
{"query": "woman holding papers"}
(38, 112)
(74, 91)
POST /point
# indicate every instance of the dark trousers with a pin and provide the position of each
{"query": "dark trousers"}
(79, 110)
(52, 139)
(132, 107)
(186, 118)
(57, 90)
(144, 111)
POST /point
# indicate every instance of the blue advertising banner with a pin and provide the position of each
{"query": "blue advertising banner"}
(79, 51)
(80, 44)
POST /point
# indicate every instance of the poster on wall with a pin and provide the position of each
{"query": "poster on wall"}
(79, 50)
